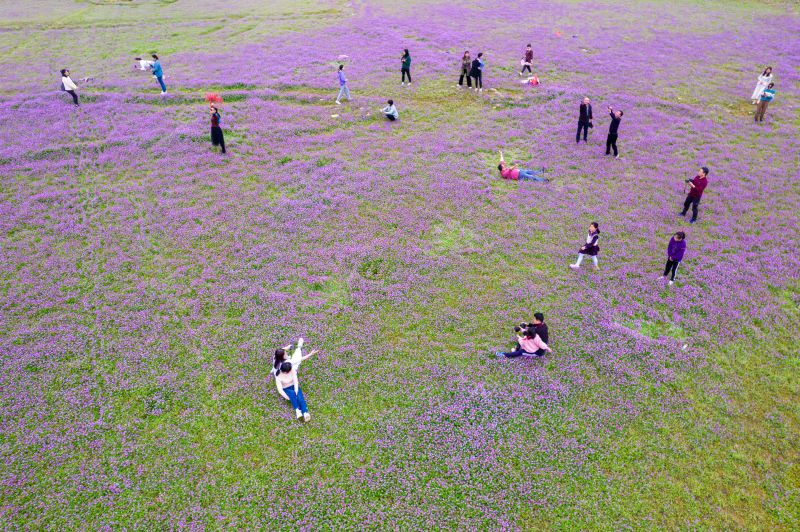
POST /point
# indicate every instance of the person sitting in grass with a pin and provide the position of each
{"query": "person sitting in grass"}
(289, 388)
(515, 173)
(529, 344)
(390, 111)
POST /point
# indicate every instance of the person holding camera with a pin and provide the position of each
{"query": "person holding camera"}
(698, 184)
(584, 120)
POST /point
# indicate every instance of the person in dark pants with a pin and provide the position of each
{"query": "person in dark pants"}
(675, 251)
(527, 61)
(540, 328)
(698, 184)
(216, 132)
(466, 64)
(611, 140)
(68, 86)
(584, 120)
(405, 69)
(476, 72)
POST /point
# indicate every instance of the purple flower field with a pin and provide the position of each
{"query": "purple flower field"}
(145, 279)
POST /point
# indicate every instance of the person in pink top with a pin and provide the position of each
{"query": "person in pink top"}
(515, 173)
(529, 344)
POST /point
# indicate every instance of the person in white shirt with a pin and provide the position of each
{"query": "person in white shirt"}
(390, 111)
(763, 81)
(68, 86)
(143, 64)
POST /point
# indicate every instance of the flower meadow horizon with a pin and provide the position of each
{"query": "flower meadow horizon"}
(146, 280)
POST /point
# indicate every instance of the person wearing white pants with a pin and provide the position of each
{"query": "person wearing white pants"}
(590, 248)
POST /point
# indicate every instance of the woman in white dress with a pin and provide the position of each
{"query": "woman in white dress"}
(763, 80)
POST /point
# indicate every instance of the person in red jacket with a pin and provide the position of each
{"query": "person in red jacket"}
(698, 184)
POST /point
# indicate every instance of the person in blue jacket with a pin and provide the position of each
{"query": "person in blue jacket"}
(158, 73)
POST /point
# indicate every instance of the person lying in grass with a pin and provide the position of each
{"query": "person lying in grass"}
(296, 358)
(514, 173)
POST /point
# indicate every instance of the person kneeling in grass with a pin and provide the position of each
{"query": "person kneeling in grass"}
(529, 345)
(515, 173)
(390, 111)
(289, 388)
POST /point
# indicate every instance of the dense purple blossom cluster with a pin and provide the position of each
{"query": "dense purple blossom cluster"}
(145, 280)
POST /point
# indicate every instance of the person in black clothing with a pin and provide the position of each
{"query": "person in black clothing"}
(540, 328)
(584, 122)
(611, 141)
(476, 72)
(216, 132)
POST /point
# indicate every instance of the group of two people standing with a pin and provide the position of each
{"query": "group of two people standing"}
(472, 70)
(585, 118)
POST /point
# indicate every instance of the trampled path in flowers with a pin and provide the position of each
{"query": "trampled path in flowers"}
(146, 280)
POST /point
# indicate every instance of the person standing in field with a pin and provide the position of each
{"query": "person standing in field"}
(158, 73)
(405, 67)
(343, 89)
(476, 72)
(675, 251)
(766, 97)
(590, 248)
(697, 185)
(217, 139)
(613, 129)
(466, 64)
(69, 86)
(584, 120)
(527, 61)
(763, 82)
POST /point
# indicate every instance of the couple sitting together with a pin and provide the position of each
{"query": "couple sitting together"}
(532, 339)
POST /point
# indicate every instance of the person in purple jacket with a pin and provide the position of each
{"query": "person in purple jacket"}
(675, 251)
(343, 89)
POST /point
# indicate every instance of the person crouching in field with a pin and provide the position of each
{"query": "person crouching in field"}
(390, 111)
(217, 139)
(675, 251)
(289, 387)
(514, 173)
(590, 248)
